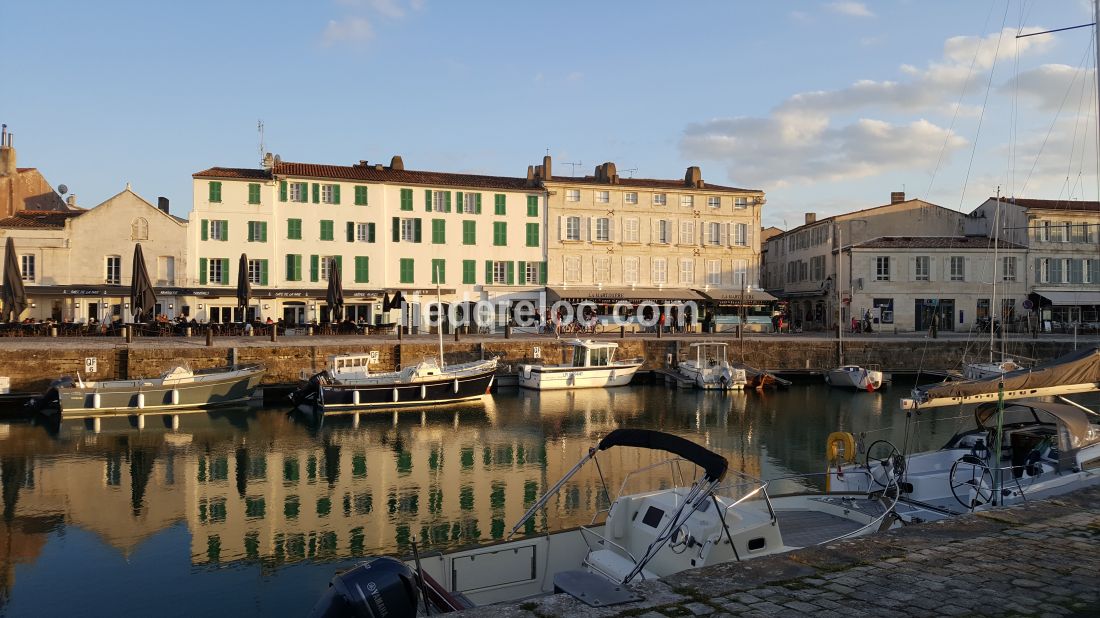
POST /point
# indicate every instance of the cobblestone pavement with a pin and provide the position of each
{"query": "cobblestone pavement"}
(1040, 559)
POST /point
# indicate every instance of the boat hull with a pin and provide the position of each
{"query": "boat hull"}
(710, 379)
(537, 377)
(145, 396)
(858, 379)
(434, 391)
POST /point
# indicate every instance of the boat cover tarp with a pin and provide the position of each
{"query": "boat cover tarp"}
(1080, 367)
(1081, 432)
(713, 464)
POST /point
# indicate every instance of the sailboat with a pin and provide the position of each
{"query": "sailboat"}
(868, 379)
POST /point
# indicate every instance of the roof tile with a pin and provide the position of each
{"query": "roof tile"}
(935, 242)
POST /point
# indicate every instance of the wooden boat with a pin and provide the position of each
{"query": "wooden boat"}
(592, 365)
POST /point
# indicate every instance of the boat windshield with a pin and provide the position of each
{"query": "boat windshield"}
(579, 352)
(600, 356)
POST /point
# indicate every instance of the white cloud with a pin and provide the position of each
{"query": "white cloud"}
(1051, 84)
(351, 31)
(388, 8)
(850, 8)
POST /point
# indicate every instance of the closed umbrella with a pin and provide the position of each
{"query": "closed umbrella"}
(13, 295)
(335, 297)
(244, 288)
(386, 306)
(142, 297)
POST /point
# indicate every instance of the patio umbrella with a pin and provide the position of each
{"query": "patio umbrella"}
(386, 306)
(335, 297)
(244, 288)
(13, 296)
(397, 300)
(142, 297)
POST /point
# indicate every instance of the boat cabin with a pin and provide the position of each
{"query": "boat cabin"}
(590, 353)
(707, 354)
(349, 366)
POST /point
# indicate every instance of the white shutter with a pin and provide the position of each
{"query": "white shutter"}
(912, 268)
(724, 233)
(588, 229)
(561, 227)
(748, 236)
(654, 231)
(966, 270)
(706, 234)
(611, 229)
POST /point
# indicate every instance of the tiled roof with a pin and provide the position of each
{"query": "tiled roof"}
(233, 172)
(644, 183)
(370, 173)
(935, 242)
(39, 219)
(1053, 204)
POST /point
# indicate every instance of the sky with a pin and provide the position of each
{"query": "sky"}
(827, 106)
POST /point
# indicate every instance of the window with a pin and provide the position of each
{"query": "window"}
(26, 268)
(1091, 270)
(572, 228)
(215, 191)
(532, 205)
(630, 197)
(439, 271)
(603, 230)
(439, 232)
(406, 199)
(1055, 231)
(166, 270)
(1067, 231)
(219, 230)
(1081, 233)
(1055, 270)
(687, 270)
(298, 191)
(139, 229)
(114, 269)
(469, 272)
(364, 232)
(360, 195)
(603, 197)
(740, 234)
(500, 272)
(882, 268)
(294, 229)
(257, 231)
(714, 202)
(1042, 267)
(740, 273)
(572, 195)
(500, 234)
(660, 270)
(531, 272)
(630, 270)
(660, 199)
(362, 269)
(326, 230)
(440, 201)
(257, 272)
(326, 266)
(469, 232)
(687, 233)
(601, 269)
(630, 230)
(958, 268)
(572, 269)
(740, 202)
(469, 203)
(885, 307)
(1074, 270)
(218, 270)
(293, 267)
(406, 270)
(922, 270)
(330, 194)
(1008, 268)
(533, 235)
(687, 201)
(664, 232)
(714, 272)
(714, 233)
(817, 268)
(410, 230)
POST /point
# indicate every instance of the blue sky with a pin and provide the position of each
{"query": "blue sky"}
(828, 106)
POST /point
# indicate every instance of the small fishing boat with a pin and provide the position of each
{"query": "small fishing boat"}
(347, 383)
(708, 368)
(592, 365)
(868, 379)
(177, 388)
(683, 521)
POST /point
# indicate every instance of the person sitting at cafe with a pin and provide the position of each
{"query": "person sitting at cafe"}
(268, 321)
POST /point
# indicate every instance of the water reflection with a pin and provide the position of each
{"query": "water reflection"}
(267, 489)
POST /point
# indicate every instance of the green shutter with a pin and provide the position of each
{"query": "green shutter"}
(428, 200)
(361, 269)
(202, 271)
(314, 268)
(439, 231)
(289, 267)
(458, 202)
(225, 231)
(351, 231)
(205, 229)
(468, 268)
(522, 273)
(335, 194)
(510, 272)
(298, 267)
(360, 195)
(215, 191)
(469, 232)
(406, 199)
(542, 273)
(477, 209)
(532, 234)
(251, 232)
(263, 231)
(263, 272)
(417, 230)
(282, 190)
(316, 193)
(500, 204)
(370, 232)
(500, 234)
(396, 229)
(294, 229)
(532, 205)
(339, 259)
(488, 271)
(326, 230)
(226, 275)
(447, 201)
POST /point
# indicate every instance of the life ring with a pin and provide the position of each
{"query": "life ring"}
(835, 441)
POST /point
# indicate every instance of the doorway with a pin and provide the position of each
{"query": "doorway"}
(294, 313)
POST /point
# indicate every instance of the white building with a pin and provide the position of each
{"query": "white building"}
(388, 229)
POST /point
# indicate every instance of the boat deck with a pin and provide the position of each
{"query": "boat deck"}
(807, 528)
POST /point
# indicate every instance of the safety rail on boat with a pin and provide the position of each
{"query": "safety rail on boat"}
(603, 539)
(758, 487)
(895, 494)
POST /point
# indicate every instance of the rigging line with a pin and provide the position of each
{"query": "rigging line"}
(1021, 36)
(1050, 129)
(985, 103)
(1015, 108)
(958, 105)
(1077, 131)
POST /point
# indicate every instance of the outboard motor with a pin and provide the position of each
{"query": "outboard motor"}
(380, 587)
(52, 397)
(308, 391)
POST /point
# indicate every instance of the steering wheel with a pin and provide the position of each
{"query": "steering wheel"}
(892, 466)
(972, 475)
(679, 541)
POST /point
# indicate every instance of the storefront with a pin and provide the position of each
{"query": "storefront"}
(1062, 310)
(635, 306)
(92, 304)
(728, 307)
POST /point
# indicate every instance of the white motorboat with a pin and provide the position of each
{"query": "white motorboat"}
(708, 368)
(868, 379)
(718, 516)
(592, 365)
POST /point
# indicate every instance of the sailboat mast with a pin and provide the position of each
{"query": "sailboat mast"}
(439, 318)
(993, 301)
(839, 304)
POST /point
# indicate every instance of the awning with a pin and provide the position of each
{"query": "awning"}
(615, 294)
(736, 296)
(1070, 297)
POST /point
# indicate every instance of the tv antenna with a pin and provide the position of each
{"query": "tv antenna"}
(260, 128)
(574, 166)
(631, 171)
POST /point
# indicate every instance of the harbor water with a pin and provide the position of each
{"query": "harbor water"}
(251, 511)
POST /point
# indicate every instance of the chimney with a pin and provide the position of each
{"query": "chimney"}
(7, 154)
(71, 200)
(897, 196)
(530, 174)
(397, 164)
(546, 171)
(693, 178)
(268, 161)
(162, 204)
(811, 217)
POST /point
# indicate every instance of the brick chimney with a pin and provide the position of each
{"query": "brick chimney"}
(396, 163)
(811, 217)
(7, 153)
(693, 177)
(897, 196)
(547, 173)
(162, 204)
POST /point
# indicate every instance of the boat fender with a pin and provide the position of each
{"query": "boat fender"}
(395, 396)
(355, 398)
(141, 401)
(456, 386)
(423, 391)
(175, 397)
(836, 441)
